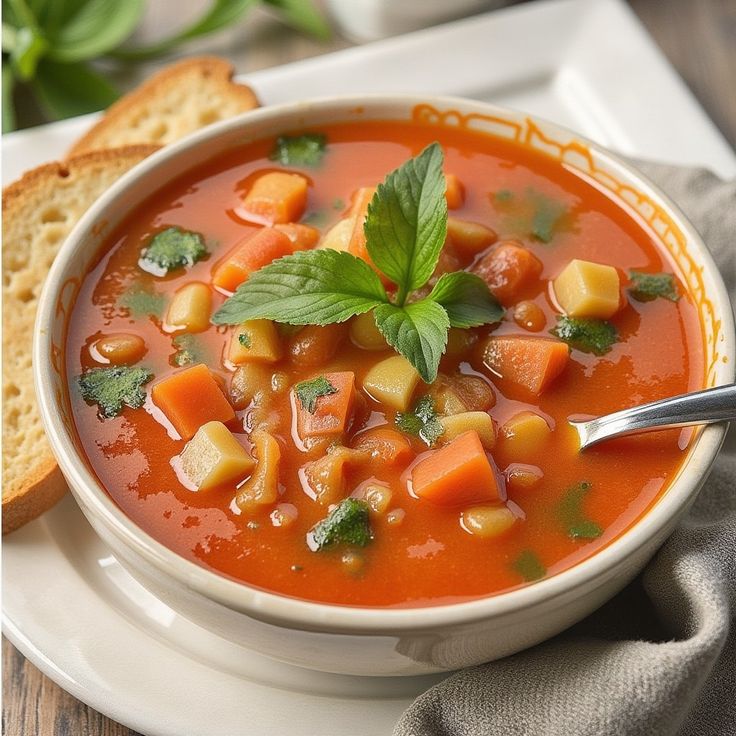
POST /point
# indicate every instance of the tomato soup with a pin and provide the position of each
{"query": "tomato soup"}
(372, 427)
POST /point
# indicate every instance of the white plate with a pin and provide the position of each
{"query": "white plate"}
(69, 606)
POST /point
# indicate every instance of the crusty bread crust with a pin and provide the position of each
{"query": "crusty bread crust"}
(39, 210)
(176, 101)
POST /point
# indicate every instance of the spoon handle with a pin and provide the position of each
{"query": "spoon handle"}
(701, 407)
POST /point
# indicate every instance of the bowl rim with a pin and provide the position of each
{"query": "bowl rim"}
(311, 615)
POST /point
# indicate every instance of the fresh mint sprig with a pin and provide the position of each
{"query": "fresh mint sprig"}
(405, 228)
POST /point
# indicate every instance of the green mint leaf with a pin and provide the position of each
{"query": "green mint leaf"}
(347, 523)
(648, 286)
(171, 249)
(529, 566)
(244, 340)
(142, 303)
(418, 331)
(111, 388)
(422, 422)
(466, 299)
(300, 150)
(589, 335)
(309, 391)
(570, 512)
(309, 287)
(97, 26)
(406, 224)
(189, 350)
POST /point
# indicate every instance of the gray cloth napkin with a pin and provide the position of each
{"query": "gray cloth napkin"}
(658, 659)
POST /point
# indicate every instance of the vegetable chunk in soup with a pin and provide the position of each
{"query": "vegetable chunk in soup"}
(339, 365)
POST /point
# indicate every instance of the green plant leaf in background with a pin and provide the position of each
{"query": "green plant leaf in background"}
(96, 28)
(221, 14)
(8, 109)
(303, 16)
(65, 90)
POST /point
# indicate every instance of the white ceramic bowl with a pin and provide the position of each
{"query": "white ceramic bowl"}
(368, 641)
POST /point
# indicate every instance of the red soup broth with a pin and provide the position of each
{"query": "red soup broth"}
(420, 554)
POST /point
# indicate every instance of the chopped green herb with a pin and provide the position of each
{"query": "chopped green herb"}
(529, 566)
(141, 303)
(648, 286)
(571, 513)
(189, 350)
(405, 231)
(300, 150)
(547, 214)
(309, 391)
(503, 195)
(171, 249)
(244, 340)
(347, 523)
(338, 204)
(111, 388)
(589, 335)
(422, 422)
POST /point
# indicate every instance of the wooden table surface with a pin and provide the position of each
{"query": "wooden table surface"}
(697, 37)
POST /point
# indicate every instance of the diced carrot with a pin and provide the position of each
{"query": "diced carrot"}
(458, 474)
(191, 398)
(361, 199)
(469, 238)
(276, 197)
(250, 254)
(508, 269)
(303, 237)
(332, 412)
(384, 444)
(455, 193)
(531, 362)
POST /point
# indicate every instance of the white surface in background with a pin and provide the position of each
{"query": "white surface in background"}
(585, 64)
(70, 607)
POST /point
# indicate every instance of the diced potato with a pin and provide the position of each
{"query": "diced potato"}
(255, 341)
(377, 496)
(326, 476)
(455, 193)
(480, 421)
(392, 382)
(190, 308)
(469, 238)
(214, 457)
(262, 488)
(521, 476)
(365, 334)
(587, 289)
(487, 521)
(249, 381)
(276, 197)
(338, 236)
(525, 433)
(121, 348)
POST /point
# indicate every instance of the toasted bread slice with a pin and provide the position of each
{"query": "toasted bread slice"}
(178, 100)
(39, 210)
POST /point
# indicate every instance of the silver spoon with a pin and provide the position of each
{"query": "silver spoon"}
(701, 407)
